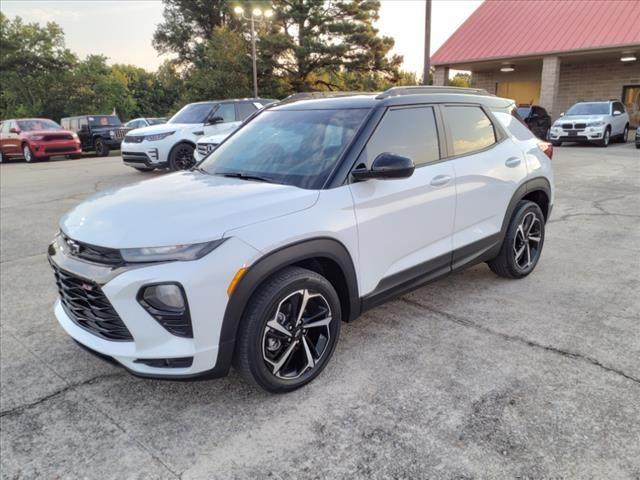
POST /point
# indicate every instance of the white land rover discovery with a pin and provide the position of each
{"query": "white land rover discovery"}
(172, 144)
(308, 215)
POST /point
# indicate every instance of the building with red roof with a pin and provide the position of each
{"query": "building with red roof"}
(550, 53)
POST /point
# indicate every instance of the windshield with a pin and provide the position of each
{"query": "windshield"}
(599, 108)
(293, 147)
(37, 124)
(524, 111)
(104, 121)
(156, 121)
(192, 113)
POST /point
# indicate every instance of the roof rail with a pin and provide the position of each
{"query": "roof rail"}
(311, 95)
(421, 89)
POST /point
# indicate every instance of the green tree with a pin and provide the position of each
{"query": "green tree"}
(34, 69)
(460, 80)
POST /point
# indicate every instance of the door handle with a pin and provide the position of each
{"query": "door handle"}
(513, 162)
(440, 180)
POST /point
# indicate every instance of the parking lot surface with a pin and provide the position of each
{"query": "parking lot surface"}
(472, 377)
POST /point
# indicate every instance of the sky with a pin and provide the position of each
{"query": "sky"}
(122, 29)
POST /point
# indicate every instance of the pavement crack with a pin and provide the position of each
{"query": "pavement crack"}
(602, 213)
(57, 393)
(22, 258)
(515, 338)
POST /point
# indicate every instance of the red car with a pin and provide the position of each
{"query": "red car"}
(36, 139)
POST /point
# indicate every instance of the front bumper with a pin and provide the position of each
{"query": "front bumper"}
(588, 134)
(149, 154)
(52, 148)
(205, 282)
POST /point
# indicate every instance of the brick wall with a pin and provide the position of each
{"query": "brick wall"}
(592, 81)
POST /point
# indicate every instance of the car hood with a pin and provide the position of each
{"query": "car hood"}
(29, 133)
(166, 127)
(217, 138)
(180, 208)
(580, 118)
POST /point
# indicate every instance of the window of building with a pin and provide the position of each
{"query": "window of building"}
(410, 132)
(471, 129)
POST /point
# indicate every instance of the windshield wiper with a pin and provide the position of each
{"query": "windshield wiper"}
(245, 176)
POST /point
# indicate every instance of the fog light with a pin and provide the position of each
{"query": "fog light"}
(167, 303)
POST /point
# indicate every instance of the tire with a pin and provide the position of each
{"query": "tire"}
(625, 135)
(102, 149)
(283, 359)
(606, 139)
(1, 157)
(181, 157)
(556, 144)
(27, 154)
(144, 169)
(509, 263)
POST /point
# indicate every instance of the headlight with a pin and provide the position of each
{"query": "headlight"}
(112, 133)
(596, 123)
(75, 136)
(36, 137)
(158, 136)
(168, 254)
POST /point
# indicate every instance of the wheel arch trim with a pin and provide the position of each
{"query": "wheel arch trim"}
(272, 262)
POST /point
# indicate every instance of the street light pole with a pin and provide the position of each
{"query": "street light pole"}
(253, 57)
(256, 12)
(427, 43)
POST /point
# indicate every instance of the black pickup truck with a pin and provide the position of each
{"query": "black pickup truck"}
(97, 132)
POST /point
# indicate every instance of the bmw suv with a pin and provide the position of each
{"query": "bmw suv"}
(592, 122)
(308, 215)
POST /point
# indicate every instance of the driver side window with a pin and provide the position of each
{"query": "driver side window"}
(410, 132)
(227, 111)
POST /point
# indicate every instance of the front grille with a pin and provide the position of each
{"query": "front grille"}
(59, 136)
(133, 138)
(571, 126)
(70, 148)
(206, 148)
(93, 253)
(88, 307)
(580, 126)
(119, 133)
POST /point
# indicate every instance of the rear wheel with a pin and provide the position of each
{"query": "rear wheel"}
(102, 149)
(181, 157)
(522, 244)
(625, 134)
(289, 330)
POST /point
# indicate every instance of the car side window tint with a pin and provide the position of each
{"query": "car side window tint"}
(410, 132)
(471, 129)
(618, 106)
(227, 111)
(79, 123)
(245, 109)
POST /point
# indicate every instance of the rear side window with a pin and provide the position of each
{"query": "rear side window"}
(77, 125)
(244, 109)
(410, 132)
(618, 106)
(471, 129)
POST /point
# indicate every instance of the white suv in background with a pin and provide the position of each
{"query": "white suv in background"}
(172, 144)
(310, 214)
(594, 122)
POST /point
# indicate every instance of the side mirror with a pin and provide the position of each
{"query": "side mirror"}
(214, 120)
(386, 166)
(562, 114)
(617, 113)
(14, 130)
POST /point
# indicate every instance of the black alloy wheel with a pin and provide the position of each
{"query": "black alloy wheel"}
(289, 331)
(181, 157)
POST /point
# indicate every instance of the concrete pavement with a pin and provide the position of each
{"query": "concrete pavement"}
(472, 377)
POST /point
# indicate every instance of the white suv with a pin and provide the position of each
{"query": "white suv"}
(594, 122)
(171, 145)
(308, 215)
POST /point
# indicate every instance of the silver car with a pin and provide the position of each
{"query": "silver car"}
(597, 122)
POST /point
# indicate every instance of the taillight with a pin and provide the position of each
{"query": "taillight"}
(547, 149)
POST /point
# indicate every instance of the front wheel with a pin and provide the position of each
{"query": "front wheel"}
(606, 139)
(289, 330)
(522, 244)
(181, 157)
(27, 154)
(102, 149)
(625, 135)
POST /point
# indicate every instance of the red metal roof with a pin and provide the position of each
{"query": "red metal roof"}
(516, 28)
